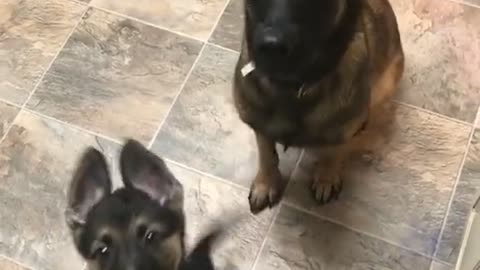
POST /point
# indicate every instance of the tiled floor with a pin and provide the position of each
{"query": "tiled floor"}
(78, 73)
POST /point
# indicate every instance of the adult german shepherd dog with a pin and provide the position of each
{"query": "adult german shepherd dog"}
(138, 227)
(314, 74)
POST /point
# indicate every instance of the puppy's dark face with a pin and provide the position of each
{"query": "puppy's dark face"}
(286, 36)
(139, 227)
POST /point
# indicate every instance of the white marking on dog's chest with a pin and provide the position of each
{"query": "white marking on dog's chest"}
(248, 68)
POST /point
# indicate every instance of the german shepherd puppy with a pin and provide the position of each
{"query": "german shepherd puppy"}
(314, 74)
(138, 227)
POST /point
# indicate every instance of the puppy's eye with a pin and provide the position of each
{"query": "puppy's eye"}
(101, 252)
(101, 248)
(150, 237)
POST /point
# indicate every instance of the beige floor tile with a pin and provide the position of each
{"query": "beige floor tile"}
(116, 76)
(32, 33)
(441, 41)
(192, 17)
(299, 241)
(468, 190)
(7, 115)
(400, 192)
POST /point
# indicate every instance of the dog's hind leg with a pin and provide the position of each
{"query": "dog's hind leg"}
(381, 112)
(327, 181)
(267, 187)
(385, 85)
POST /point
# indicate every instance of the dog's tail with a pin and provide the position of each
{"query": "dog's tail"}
(200, 257)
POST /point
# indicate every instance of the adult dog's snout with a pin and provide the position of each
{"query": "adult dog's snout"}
(272, 41)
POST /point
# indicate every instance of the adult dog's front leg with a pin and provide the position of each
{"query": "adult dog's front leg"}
(327, 182)
(267, 187)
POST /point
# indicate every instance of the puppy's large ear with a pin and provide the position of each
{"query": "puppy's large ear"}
(90, 184)
(143, 170)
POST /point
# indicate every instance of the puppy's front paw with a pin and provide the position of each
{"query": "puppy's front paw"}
(326, 187)
(266, 190)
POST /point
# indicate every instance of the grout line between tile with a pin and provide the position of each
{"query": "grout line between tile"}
(80, 3)
(179, 91)
(12, 260)
(191, 169)
(465, 3)
(7, 130)
(280, 205)
(125, 16)
(295, 168)
(454, 190)
(440, 262)
(91, 4)
(187, 77)
(476, 123)
(341, 224)
(10, 103)
(223, 48)
(265, 239)
(73, 126)
(47, 68)
(432, 112)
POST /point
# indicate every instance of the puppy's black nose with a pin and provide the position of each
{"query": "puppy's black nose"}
(273, 42)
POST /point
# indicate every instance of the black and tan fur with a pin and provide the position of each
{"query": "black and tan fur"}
(321, 89)
(138, 227)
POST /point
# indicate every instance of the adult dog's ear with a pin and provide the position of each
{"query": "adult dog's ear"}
(144, 171)
(90, 184)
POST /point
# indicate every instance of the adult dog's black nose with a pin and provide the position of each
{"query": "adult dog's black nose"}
(273, 42)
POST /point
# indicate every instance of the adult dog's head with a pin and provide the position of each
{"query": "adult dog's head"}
(138, 227)
(288, 38)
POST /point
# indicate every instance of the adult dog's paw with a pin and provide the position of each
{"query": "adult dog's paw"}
(266, 191)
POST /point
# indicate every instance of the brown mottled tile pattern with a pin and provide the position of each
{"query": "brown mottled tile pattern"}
(468, 189)
(230, 27)
(9, 265)
(192, 17)
(299, 241)
(441, 41)
(36, 162)
(7, 114)
(116, 76)
(208, 201)
(203, 130)
(31, 34)
(401, 191)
